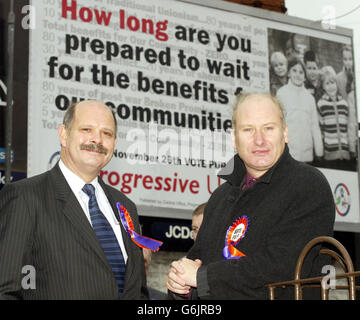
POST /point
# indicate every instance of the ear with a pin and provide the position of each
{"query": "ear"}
(286, 138)
(63, 134)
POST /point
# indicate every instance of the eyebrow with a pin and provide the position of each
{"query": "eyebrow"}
(265, 124)
(92, 126)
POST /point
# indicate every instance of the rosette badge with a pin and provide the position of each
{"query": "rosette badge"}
(234, 234)
(141, 241)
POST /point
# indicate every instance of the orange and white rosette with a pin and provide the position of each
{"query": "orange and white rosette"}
(235, 233)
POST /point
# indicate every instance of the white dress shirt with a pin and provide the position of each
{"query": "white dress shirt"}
(76, 184)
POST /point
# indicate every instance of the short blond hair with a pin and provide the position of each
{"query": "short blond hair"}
(327, 72)
(277, 56)
(240, 99)
(199, 209)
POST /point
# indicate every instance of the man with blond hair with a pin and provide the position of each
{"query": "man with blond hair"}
(259, 220)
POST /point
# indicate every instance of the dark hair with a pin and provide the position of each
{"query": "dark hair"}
(309, 56)
(294, 62)
(69, 116)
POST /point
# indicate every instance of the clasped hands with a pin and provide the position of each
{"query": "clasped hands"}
(182, 275)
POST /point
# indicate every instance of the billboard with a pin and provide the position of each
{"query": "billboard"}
(170, 71)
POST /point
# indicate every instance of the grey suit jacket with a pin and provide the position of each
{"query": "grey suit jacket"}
(42, 225)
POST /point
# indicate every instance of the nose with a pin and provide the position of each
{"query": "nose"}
(96, 137)
(259, 138)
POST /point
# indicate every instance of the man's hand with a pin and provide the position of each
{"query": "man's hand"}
(182, 275)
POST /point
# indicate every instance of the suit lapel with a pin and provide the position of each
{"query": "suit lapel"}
(70, 207)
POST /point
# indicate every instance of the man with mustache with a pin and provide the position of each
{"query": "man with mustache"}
(65, 223)
(257, 222)
(94, 147)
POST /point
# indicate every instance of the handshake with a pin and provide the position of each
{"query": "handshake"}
(182, 275)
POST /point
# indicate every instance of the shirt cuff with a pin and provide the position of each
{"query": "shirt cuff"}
(203, 289)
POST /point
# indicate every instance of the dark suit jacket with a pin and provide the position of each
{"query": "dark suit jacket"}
(43, 225)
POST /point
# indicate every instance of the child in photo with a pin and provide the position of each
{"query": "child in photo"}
(301, 115)
(353, 125)
(312, 82)
(346, 74)
(278, 71)
(334, 119)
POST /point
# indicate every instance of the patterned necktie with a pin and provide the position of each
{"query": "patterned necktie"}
(107, 238)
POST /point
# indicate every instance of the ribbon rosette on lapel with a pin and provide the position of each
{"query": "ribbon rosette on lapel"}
(235, 233)
(141, 241)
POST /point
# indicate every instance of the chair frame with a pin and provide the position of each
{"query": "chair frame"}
(344, 260)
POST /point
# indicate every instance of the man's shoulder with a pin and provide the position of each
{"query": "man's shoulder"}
(224, 191)
(305, 168)
(34, 187)
(31, 182)
(303, 173)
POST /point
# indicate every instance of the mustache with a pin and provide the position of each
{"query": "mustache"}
(94, 147)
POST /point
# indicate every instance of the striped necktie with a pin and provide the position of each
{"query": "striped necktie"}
(107, 238)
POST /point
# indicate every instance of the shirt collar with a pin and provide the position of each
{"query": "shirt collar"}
(75, 182)
(250, 180)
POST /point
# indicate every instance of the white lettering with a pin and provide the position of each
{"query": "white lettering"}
(28, 282)
(329, 280)
(178, 232)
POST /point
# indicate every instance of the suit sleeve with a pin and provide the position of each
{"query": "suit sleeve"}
(16, 225)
